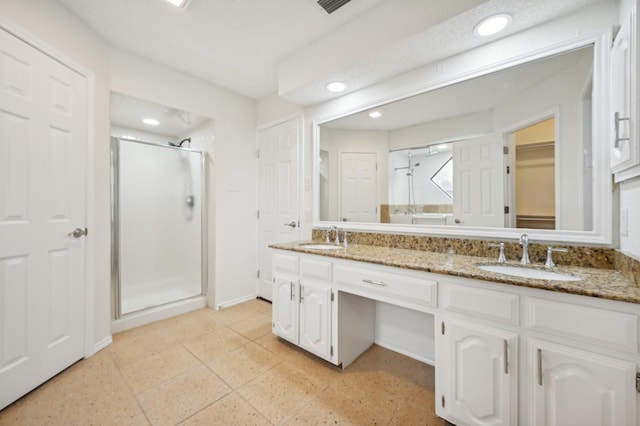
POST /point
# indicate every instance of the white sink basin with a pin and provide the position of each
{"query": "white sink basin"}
(321, 246)
(524, 272)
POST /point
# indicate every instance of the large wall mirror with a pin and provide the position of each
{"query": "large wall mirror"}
(515, 150)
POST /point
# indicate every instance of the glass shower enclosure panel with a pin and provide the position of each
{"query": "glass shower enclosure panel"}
(159, 224)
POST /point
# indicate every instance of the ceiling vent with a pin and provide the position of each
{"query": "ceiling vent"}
(331, 6)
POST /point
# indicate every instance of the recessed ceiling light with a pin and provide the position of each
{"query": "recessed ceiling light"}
(336, 86)
(180, 3)
(375, 114)
(150, 121)
(492, 25)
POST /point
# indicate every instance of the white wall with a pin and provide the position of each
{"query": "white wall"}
(232, 254)
(53, 26)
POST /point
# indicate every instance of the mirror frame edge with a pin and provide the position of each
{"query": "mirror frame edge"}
(602, 233)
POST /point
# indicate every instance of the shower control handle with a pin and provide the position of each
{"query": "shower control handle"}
(78, 232)
(291, 224)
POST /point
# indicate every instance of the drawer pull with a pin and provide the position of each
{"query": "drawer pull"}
(506, 356)
(380, 283)
(539, 367)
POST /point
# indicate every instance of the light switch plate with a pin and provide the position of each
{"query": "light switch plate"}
(624, 222)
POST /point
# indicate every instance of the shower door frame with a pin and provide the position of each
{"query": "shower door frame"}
(116, 281)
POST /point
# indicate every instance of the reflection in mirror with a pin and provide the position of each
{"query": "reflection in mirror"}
(510, 149)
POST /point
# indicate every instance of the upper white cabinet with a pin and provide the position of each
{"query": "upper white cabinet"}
(625, 146)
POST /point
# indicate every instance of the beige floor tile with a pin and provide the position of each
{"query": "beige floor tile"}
(318, 371)
(133, 345)
(181, 397)
(156, 373)
(260, 305)
(90, 392)
(187, 327)
(280, 392)
(244, 364)
(218, 342)
(333, 408)
(277, 345)
(253, 327)
(157, 368)
(235, 313)
(231, 410)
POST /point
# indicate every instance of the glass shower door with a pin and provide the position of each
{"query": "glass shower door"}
(159, 200)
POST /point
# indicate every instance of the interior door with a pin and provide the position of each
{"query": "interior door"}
(279, 220)
(358, 187)
(43, 131)
(478, 195)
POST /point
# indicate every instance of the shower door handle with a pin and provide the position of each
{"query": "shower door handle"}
(78, 232)
(291, 224)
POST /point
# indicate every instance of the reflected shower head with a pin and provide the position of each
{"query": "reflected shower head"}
(179, 144)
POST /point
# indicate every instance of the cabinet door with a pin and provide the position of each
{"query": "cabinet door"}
(479, 365)
(625, 153)
(573, 387)
(285, 308)
(315, 318)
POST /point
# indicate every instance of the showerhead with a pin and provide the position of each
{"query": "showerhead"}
(179, 144)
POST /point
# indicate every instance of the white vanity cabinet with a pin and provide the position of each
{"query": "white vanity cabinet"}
(302, 298)
(625, 111)
(581, 363)
(570, 386)
(504, 354)
(476, 356)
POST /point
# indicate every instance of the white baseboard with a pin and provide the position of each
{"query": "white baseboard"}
(147, 316)
(98, 346)
(235, 301)
(405, 352)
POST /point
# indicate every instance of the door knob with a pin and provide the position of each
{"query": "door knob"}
(78, 232)
(291, 224)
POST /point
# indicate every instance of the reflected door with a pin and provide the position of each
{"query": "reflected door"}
(358, 187)
(43, 131)
(477, 182)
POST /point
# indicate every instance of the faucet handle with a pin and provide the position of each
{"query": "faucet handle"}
(501, 257)
(549, 262)
(345, 242)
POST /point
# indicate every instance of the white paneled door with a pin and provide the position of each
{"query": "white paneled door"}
(478, 181)
(43, 132)
(358, 187)
(279, 220)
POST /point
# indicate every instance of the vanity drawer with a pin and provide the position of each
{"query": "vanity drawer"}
(601, 327)
(285, 264)
(492, 305)
(388, 283)
(315, 269)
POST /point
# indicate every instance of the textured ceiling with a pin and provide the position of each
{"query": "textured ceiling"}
(247, 45)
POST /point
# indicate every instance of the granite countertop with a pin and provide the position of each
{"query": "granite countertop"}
(602, 283)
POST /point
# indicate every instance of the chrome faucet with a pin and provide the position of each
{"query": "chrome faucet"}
(328, 238)
(524, 242)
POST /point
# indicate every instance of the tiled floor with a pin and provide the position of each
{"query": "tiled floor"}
(225, 367)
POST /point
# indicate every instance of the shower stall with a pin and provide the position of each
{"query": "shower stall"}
(158, 226)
